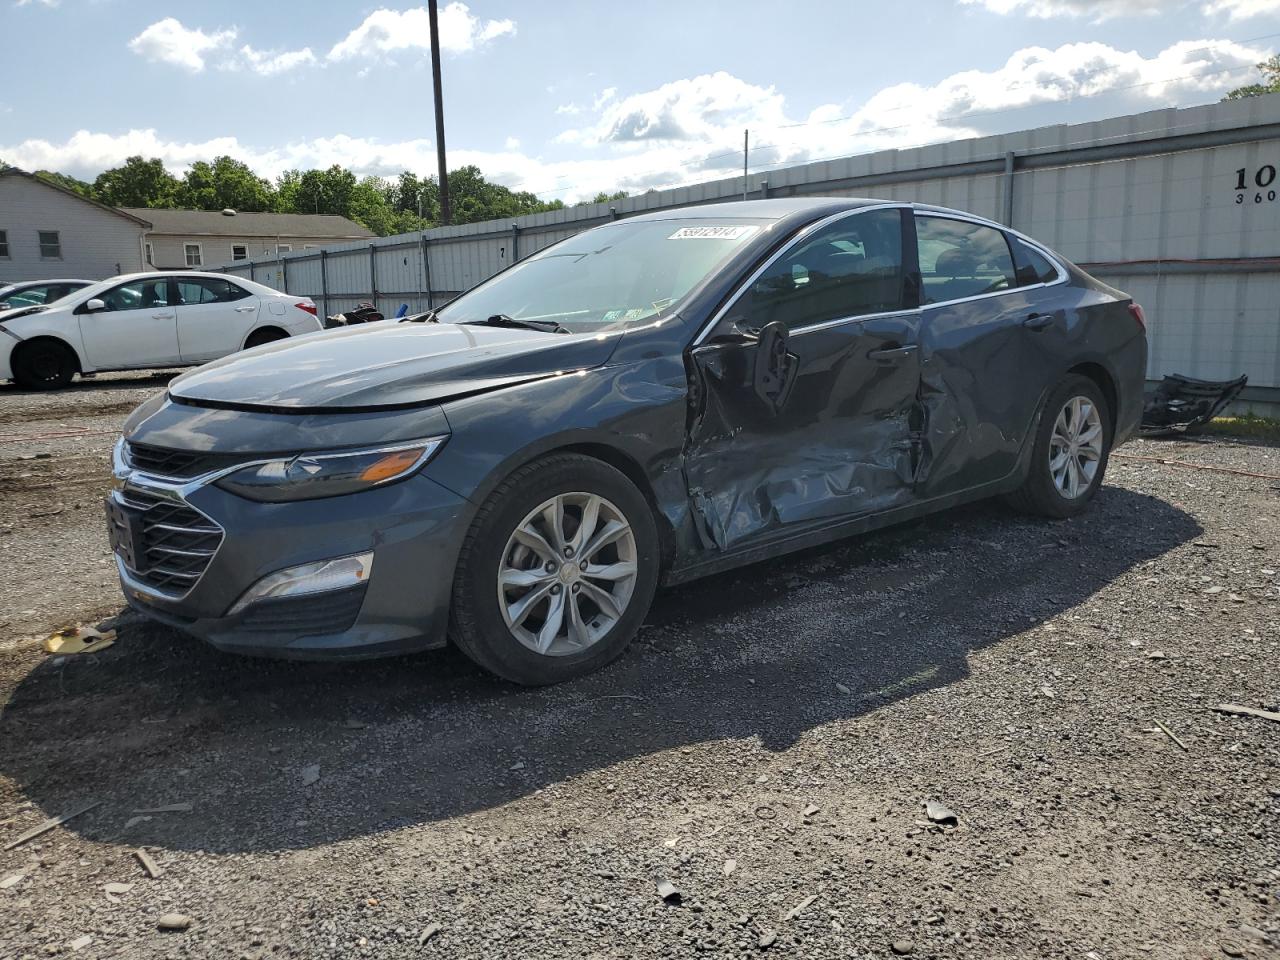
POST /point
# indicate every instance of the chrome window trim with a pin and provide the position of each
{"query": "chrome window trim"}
(800, 237)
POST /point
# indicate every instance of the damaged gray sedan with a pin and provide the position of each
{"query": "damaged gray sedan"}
(647, 402)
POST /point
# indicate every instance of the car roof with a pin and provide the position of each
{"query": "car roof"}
(798, 209)
(37, 283)
(778, 208)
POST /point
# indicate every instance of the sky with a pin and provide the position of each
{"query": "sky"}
(566, 98)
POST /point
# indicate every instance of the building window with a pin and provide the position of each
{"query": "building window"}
(193, 254)
(50, 245)
(150, 258)
(284, 248)
(4, 244)
(239, 251)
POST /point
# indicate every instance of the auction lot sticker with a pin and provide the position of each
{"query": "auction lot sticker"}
(712, 233)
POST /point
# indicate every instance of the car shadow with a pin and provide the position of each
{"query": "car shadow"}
(279, 755)
(99, 381)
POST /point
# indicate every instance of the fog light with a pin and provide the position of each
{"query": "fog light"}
(322, 576)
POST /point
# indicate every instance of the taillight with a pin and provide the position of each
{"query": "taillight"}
(1138, 315)
(308, 307)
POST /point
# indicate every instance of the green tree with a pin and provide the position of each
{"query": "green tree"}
(139, 183)
(1270, 70)
(603, 197)
(224, 183)
(65, 181)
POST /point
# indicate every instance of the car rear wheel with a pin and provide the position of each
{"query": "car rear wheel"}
(1072, 444)
(44, 365)
(264, 335)
(557, 572)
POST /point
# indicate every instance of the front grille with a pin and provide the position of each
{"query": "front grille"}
(177, 541)
(180, 464)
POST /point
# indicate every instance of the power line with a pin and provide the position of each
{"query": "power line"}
(552, 190)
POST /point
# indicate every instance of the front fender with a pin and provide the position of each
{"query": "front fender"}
(635, 409)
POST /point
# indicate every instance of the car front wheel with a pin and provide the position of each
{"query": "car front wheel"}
(556, 573)
(43, 365)
(1072, 444)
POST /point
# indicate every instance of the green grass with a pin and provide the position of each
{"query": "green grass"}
(1246, 425)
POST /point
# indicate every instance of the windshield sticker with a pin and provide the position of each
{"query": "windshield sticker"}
(612, 315)
(712, 233)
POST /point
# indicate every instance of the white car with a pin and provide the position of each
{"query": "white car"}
(144, 320)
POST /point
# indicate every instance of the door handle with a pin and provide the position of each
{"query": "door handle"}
(162, 316)
(245, 309)
(1038, 321)
(892, 354)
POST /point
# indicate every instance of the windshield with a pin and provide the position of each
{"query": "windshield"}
(608, 278)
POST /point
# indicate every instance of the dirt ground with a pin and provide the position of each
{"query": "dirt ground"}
(767, 746)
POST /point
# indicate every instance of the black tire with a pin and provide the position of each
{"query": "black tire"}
(477, 624)
(1039, 494)
(264, 335)
(44, 365)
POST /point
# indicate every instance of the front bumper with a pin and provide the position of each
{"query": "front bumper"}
(414, 529)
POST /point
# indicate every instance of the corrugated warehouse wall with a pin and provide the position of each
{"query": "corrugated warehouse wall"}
(1178, 207)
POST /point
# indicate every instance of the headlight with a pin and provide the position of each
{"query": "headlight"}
(309, 476)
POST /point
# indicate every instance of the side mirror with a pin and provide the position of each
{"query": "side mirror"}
(774, 372)
(94, 304)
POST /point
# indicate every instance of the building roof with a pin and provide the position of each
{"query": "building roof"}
(135, 217)
(214, 223)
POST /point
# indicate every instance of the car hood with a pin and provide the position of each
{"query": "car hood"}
(388, 366)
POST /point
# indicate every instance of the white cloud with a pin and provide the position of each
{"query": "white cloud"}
(1242, 9)
(571, 109)
(269, 63)
(691, 130)
(43, 3)
(1098, 10)
(512, 143)
(169, 41)
(391, 31)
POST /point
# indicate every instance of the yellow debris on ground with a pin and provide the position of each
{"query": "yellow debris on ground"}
(79, 640)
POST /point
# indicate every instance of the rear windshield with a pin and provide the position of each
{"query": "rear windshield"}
(608, 278)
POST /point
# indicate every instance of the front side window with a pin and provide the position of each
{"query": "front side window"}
(1033, 266)
(239, 251)
(50, 245)
(137, 295)
(610, 278)
(193, 254)
(4, 244)
(960, 259)
(850, 268)
(197, 290)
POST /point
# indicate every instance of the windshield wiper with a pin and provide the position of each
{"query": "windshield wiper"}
(502, 320)
(427, 316)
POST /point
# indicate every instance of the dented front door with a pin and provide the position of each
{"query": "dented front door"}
(802, 399)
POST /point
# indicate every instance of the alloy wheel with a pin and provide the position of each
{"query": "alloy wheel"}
(1075, 447)
(567, 574)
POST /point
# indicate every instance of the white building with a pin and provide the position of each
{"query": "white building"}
(194, 239)
(49, 231)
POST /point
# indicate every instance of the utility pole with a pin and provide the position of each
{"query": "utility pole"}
(435, 82)
(745, 136)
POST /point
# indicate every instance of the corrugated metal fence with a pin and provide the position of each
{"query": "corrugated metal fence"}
(1178, 207)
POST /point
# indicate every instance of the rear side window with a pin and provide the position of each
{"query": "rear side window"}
(208, 290)
(1033, 266)
(960, 259)
(848, 269)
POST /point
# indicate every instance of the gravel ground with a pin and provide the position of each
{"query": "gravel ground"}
(767, 746)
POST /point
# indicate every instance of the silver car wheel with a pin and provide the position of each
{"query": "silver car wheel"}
(567, 574)
(1075, 447)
